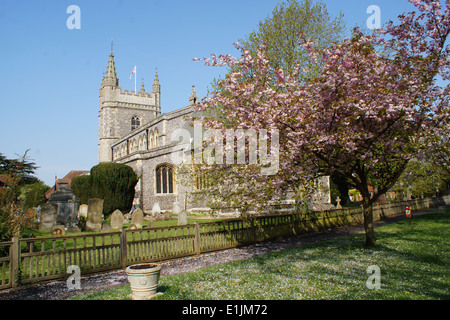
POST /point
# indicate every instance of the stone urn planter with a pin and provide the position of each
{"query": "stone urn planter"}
(143, 278)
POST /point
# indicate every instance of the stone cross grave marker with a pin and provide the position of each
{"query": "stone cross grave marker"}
(338, 205)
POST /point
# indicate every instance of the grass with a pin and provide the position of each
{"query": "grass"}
(413, 259)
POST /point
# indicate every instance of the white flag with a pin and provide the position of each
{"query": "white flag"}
(134, 71)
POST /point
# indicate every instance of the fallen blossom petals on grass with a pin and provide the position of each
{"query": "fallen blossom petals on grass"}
(413, 261)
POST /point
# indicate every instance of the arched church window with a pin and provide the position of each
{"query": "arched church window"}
(201, 180)
(135, 122)
(156, 139)
(165, 179)
(150, 142)
(141, 143)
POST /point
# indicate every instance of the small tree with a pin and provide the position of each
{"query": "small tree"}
(34, 194)
(421, 179)
(283, 30)
(13, 217)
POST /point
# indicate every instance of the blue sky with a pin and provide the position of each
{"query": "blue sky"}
(51, 75)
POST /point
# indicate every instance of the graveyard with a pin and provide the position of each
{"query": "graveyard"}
(110, 224)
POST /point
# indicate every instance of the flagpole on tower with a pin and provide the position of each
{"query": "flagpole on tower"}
(134, 71)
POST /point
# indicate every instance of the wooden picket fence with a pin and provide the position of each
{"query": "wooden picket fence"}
(30, 260)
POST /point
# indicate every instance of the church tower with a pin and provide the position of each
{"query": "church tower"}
(121, 112)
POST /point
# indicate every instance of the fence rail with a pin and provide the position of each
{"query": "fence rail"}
(28, 260)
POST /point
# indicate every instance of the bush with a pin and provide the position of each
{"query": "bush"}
(112, 182)
(81, 187)
(34, 194)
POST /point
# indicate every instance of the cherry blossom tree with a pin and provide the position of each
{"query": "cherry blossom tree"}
(366, 115)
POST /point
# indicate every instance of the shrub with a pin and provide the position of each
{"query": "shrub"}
(81, 187)
(34, 194)
(112, 182)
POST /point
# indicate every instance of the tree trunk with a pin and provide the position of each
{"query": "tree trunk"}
(368, 224)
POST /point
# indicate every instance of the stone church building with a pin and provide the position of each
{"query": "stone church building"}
(134, 131)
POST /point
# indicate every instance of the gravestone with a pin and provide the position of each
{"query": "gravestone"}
(117, 220)
(176, 209)
(182, 215)
(338, 205)
(58, 230)
(165, 216)
(156, 210)
(106, 227)
(137, 218)
(95, 215)
(83, 210)
(47, 217)
(67, 202)
(149, 217)
(133, 227)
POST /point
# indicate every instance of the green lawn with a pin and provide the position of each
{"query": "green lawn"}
(414, 261)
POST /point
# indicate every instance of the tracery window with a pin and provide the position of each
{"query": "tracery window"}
(201, 180)
(135, 122)
(165, 179)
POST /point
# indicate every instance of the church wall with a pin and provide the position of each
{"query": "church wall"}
(145, 162)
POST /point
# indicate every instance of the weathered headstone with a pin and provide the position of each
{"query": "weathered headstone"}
(133, 227)
(58, 230)
(156, 210)
(106, 227)
(83, 210)
(47, 219)
(149, 217)
(95, 215)
(176, 209)
(137, 218)
(67, 202)
(182, 215)
(165, 216)
(117, 220)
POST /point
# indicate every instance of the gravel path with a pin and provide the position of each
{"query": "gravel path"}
(57, 290)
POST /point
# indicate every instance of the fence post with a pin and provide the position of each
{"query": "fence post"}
(15, 262)
(293, 224)
(197, 238)
(253, 235)
(123, 249)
